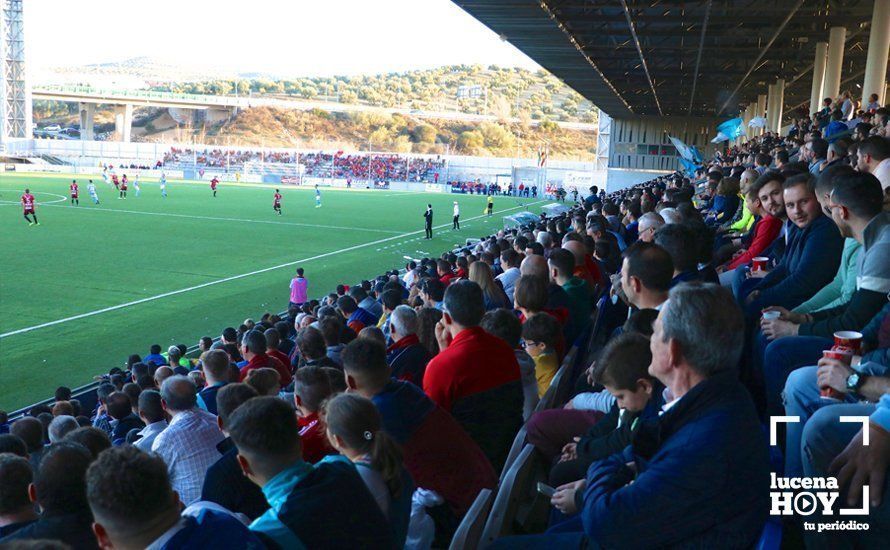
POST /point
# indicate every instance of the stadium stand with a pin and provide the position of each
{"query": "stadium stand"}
(650, 356)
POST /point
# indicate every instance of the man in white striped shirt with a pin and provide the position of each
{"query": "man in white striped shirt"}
(188, 445)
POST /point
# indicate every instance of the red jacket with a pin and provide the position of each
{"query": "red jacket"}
(286, 376)
(766, 230)
(475, 361)
(264, 361)
(313, 438)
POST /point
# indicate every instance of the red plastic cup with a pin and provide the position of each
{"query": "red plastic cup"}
(844, 355)
(831, 394)
(848, 339)
(759, 263)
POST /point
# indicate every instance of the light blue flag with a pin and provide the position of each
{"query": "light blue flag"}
(732, 128)
(683, 150)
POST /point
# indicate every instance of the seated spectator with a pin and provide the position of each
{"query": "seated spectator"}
(30, 430)
(272, 341)
(356, 318)
(622, 368)
(59, 489)
(313, 351)
(539, 334)
(331, 327)
(151, 412)
(253, 349)
(510, 261)
(215, 366)
(650, 223)
(135, 506)
(94, 439)
(61, 426)
(355, 429)
(312, 506)
(530, 299)
(265, 381)
(16, 509)
(562, 269)
(63, 407)
(678, 240)
(225, 483)
(13, 444)
(506, 326)
(432, 292)
(161, 374)
(177, 362)
(373, 333)
(444, 272)
(154, 356)
(366, 302)
(558, 303)
(488, 403)
(407, 357)
(856, 204)
(674, 493)
(391, 299)
(765, 230)
(120, 409)
(438, 453)
(188, 445)
(493, 296)
(311, 387)
(101, 419)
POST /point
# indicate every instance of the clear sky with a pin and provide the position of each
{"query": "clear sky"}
(284, 37)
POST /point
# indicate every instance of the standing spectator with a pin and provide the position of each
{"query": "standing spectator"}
(355, 428)
(59, 489)
(225, 483)
(188, 445)
(151, 411)
(299, 289)
(487, 402)
(313, 506)
(135, 506)
(16, 509)
(406, 356)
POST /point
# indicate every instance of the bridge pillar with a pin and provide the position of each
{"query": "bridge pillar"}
(818, 77)
(87, 114)
(878, 48)
(761, 111)
(123, 121)
(837, 38)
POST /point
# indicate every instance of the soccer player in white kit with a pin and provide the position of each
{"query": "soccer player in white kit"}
(91, 189)
(456, 221)
(164, 185)
(136, 184)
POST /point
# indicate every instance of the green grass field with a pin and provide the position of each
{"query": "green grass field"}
(193, 263)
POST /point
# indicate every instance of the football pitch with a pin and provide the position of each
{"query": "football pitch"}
(93, 283)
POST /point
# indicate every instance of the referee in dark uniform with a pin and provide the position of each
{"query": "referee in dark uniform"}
(428, 216)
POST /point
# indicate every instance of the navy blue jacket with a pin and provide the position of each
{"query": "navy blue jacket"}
(810, 262)
(702, 476)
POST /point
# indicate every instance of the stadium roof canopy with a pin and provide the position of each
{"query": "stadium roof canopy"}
(687, 58)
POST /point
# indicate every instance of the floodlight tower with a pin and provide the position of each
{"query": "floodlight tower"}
(15, 94)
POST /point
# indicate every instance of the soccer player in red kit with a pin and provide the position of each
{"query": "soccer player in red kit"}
(276, 205)
(123, 194)
(213, 183)
(115, 181)
(28, 206)
(73, 188)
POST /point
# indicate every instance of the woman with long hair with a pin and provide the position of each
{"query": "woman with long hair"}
(427, 319)
(355, 428)
(493, 295)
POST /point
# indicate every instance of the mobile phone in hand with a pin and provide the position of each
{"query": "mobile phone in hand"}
(546, 490)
